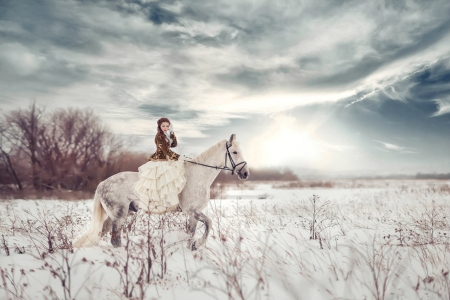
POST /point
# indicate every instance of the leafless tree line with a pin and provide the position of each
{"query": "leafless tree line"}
(69, 149)
(65, 149)
(260, 174)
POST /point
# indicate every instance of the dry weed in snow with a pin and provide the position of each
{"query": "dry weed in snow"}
(388, 241)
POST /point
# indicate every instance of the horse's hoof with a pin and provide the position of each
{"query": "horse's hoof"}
(116, 244)
(193, 247)
(133, 207)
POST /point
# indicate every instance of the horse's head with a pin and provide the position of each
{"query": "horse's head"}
(237, 158)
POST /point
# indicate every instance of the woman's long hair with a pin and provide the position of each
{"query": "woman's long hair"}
(161, 132)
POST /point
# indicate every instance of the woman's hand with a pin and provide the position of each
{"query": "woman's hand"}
(171, 128)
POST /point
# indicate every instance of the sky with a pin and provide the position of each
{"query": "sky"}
(322, 87)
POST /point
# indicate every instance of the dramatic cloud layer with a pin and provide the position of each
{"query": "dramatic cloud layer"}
(362, 85)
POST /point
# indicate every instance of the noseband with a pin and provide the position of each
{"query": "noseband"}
(227, 155)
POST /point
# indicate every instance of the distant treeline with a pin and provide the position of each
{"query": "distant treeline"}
(432, 176)
(70, 150)
(405, 176)
(262, 174)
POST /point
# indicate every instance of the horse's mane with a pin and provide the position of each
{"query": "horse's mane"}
(202, 157)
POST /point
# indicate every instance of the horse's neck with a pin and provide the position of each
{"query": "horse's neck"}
(217, 159)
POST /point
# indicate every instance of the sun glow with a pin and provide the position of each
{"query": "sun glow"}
(285, 143)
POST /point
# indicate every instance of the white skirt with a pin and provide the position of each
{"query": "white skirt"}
(158, 185)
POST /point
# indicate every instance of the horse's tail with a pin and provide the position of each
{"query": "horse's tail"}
(93, 234)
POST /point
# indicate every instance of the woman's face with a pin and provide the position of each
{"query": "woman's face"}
(165, 126)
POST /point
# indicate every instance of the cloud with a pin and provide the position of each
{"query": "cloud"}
(215, 66)
(388, 147)
(443, 107)
(168, 111)
(401, 124)
(245, 76)
(151, 10)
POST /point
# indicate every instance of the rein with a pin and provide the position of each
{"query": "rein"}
(227, 154)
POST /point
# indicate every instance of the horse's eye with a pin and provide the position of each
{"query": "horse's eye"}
(234, 152)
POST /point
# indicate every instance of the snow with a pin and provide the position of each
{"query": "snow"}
(378, 239)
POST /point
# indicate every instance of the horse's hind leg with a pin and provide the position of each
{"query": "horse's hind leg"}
(120, 215)
(199, 216)
(116, 232)
(107, 225)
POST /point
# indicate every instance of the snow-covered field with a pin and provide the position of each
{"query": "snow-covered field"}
(367, 240)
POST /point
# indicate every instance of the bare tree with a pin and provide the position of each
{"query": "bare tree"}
(21, 131)
(6, 164)
(65, 149)
(75, 149)
(8, 167)
(71, 143)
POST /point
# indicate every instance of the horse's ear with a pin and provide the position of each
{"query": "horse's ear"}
(232, 138)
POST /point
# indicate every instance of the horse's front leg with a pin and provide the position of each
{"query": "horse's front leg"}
(199, 216)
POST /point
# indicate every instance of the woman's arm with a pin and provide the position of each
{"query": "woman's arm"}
(173, 155)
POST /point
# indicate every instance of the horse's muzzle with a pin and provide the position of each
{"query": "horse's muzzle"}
(243, 176)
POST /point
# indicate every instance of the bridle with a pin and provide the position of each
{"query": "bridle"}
(227, 155)
(232, 161)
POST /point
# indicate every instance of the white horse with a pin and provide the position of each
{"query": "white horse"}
(115, 196)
